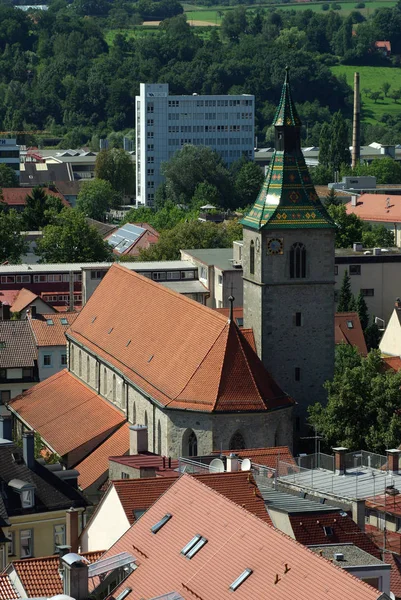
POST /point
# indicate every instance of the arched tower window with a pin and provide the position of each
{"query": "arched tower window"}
(237, 441)
(252, 258)
(159, 438)
(298, 261)
(189, 443)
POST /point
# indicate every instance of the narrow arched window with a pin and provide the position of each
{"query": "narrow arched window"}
(114, 388)
(192, 445)
(298, 261)
(134, 414)
(237, 441)
(88, 369)
(159, 438)
(252, 258)
(80, 364)
(72, 362)
(146, 419)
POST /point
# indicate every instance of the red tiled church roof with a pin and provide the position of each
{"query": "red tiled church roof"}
(183, 354)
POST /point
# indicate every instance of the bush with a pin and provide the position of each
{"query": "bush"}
(325, 6)
(335, 6)
(360, 5)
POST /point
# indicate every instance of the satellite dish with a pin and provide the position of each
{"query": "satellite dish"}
(246, 465)
(216, 466)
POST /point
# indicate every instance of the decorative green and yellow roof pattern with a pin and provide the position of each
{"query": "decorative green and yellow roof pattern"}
(288, 197)
(286, 113)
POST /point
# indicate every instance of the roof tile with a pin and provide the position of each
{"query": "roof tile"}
(374, 207)
(52, 334)
(17, 196)
(17, 345)
(346, 335)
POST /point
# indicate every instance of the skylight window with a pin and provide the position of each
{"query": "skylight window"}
(328, 531)
(191, 544)
(240, 580)
(350, 325)
(155, 528)
(198, 545)
(50, 321)
(64, 321)
(2, 345)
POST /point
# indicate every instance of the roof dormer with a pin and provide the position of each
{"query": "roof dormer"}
(25, 490)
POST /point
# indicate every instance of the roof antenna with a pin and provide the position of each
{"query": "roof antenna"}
(231, 301)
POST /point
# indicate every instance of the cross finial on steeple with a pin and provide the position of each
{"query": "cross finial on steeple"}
(231, 301)
(286, 114)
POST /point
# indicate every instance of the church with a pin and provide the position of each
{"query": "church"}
(143, 354)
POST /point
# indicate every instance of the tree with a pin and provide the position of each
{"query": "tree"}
(386, 170)
(116, 167)
(40, 208)
(385, 87)
(339, 153)
(95, 198)
(395, 95)
(364, 401)
(345, 297)
(362, 311)
(8, 177)
(332, 199)
(12, 243)
(205, 193)
(349, 226)
(247, 184)
(372, 335)
(70, 239)
(165, 218)
(324, 145)
(234, 23)
(375, 96)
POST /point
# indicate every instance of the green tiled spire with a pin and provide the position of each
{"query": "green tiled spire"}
(288, 198)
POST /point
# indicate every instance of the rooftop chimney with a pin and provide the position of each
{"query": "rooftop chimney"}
(138, 439)
(339, 460)
(356, 130)
(232, 462)
(28, 449)
(393, 458)
(75, 579)
(358, 513)
(6, 428)
(397, 303)
(354, 200)
(71, 519)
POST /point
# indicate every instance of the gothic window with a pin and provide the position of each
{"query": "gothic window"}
(134, 413)
(114, 388)
(237, 442)
(298, 261)
(252, 258)
(72, 357)
(87, 368)
(189, 443)
(80, 363)
(146, 419)
(159, 438)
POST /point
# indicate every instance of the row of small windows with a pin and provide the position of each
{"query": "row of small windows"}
(209, 116)
(51, 278)
(297, 260)
(228, 102)
(61, 297)
(205, 129)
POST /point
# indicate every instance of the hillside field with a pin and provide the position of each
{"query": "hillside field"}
(372, 78)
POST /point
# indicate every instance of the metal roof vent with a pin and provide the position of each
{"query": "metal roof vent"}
(339, 556)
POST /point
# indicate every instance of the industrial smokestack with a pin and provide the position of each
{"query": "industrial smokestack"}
(356, 130)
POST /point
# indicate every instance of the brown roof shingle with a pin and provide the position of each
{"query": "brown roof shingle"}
(183, 354)
(67, 414)
(51, 334)
(17, 345)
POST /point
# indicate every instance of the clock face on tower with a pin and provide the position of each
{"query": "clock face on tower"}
(274, 246)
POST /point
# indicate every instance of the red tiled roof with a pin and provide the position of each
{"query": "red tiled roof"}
(53, 334)
(391, 504)
(7, 590)
(238, 312)
(145, 460)
(352, 336)
(66, 413)
(393, 539)
(309, 530)
(267, 457)
(383, 44)
(25, 298)
(96, 463)
(183, 354)
(236, 540)
(239, 487)
(392, 362)
(395, 573)
(17, 196)
(40, 577)
(8, 296)
(373, 207)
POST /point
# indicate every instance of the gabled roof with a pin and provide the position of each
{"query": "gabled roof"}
(395, 574)
(377, 207)
(66, 413)
(129, 238)
(17, 196)
(17, 345)
(309, 529)
(288, 198)
(24, 298)
(49, 329)
(40, 577)
(392, 362)
(7, 590)
(96, 465)
(182, 354)
(348, 330)
(139, 494)
(236, 540)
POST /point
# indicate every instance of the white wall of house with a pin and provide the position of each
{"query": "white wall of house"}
(391, 340)
(376, 575)
(51, 360)
(41, 308)
(108, 523)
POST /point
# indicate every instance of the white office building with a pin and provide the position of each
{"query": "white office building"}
(10, 154)
(165, 123)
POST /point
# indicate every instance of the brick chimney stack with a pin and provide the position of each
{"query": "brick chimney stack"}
(339, 460)
(138, 439)
(393, 458)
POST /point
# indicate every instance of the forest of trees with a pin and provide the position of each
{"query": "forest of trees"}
(58, 74)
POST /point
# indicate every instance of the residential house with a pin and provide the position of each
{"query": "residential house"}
(130, 238)
(384, 47)
(378, 209)
(348, 330)
(18, 359)
(115, 375)
(27, 302)
(104, 229)
(16, 197)
(33, 502)
(189, 538)
(49, 333)
(218, 274)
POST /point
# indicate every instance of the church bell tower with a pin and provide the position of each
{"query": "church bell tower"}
(288, 270)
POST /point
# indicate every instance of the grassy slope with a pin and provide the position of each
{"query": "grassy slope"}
(372, 78)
